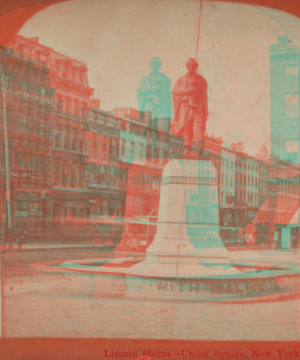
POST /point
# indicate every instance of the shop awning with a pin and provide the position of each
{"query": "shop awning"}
(285, 206)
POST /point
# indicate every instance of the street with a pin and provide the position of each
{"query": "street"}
(43, 306)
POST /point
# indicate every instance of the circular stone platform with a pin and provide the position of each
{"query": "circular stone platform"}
(222, 280)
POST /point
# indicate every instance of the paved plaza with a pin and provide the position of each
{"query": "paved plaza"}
(43, 306)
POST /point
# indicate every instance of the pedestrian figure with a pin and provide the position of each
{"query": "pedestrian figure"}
(21, 237)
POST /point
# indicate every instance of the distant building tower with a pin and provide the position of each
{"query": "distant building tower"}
(284, 75)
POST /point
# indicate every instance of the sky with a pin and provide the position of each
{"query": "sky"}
(118, 38)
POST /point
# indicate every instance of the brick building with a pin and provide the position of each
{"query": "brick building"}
(28, 106)
(284, 77)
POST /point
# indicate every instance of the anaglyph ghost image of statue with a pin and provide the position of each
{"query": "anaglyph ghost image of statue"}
(186, 216)
(154, 96)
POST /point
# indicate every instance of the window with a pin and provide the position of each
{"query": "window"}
(68, 105)
(37, 139)
(113, 175)
(26, 72)
(156, 152)
(67, 139)
(66, 73)
(111, 121)
(290, 70)
(22, 128)
(74, 74)
(86, 146)
(141, 150)
(75, 176)
(291, 105)
(75, 141)
(93, 177)
(43, 91)
(56, 173)
(101, 118)
(22, 107)
(149, 151)
(59, 104)
(95, 148)
(123, 147)
(28, 164)
(94, 211)
(25, 86)
(22, 208)
(292, 146)
(84, 110)
(30, 109)
(113, 146)
(76, 108)
(132, 150)
(56, 138)
(42, 58)
(102, 174)
(39, 111)
(29, 137)
(66, 174)
(82, 76)
(165, 153)
(104, 149)
(46, 113)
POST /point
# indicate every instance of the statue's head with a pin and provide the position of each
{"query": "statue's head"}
(191, 65)
(155, 63)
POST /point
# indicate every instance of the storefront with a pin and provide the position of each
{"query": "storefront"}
(28, 210)
(21, 206)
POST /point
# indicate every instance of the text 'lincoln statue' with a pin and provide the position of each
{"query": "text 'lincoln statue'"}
(190, 105)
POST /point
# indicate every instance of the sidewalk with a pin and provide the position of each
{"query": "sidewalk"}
(59, 241)
(46, 246)
(290, 256)
(243, 255)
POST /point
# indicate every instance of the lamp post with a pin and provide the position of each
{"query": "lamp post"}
(3, 80)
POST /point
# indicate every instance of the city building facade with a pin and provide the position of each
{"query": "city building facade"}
(70, 161)
(284, 87)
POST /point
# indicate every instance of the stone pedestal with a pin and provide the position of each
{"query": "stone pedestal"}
(188, 222)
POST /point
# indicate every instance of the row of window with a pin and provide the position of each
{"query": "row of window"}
(69, 139)
(291, 101)
(25, 70)
(127, 126)
(70, 72)
(103, 175)
(36, 89)
(286, 202)
(68, 174)
(65, 68)
(31, 171)
(71, 106)
(254, 168)
(129, 148)
(33, 109)
(33, 138)
(252, 199)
